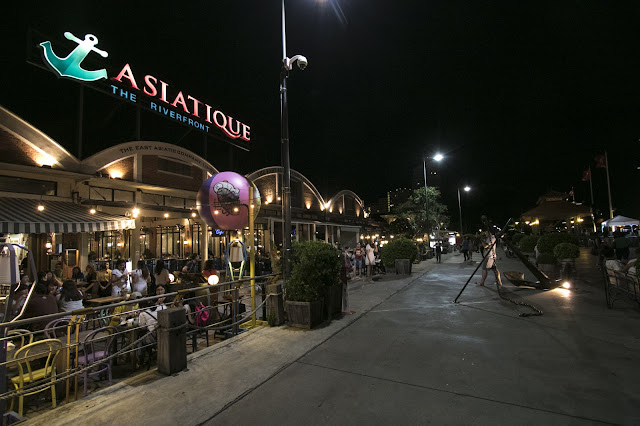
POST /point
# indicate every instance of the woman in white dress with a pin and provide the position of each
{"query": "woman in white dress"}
(141, 278)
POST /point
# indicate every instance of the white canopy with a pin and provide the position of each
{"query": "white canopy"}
(621, 221)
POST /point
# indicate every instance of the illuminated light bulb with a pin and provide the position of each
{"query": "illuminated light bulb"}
(166, 215)
(40, 207)
(136, 211)
(48, 245)
(216, 212)
(92, 211)
(213, 279)
(566, 284)
(235, 209)
(171, 278)
(193, 214)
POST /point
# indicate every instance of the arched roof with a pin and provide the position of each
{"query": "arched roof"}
(347, 192)
(118, 152)
(294, 174)
(47, 151)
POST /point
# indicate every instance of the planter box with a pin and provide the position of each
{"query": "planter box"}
(548, 269)
(403, 266)
(333, 301)
(304, 314)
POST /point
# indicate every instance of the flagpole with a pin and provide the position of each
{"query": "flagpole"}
(606, 165)
(593, 218)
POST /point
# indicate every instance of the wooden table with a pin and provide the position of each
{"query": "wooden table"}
(103, 300)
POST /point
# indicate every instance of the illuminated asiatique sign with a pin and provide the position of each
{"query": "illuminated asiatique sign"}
(156, 95)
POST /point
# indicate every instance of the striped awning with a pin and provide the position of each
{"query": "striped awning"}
(21, 216)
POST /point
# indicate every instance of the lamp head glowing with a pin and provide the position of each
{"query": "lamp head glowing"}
(467, 188)
(438, 157)
(213, 279)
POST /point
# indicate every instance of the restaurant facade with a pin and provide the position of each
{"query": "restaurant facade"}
(138, 200)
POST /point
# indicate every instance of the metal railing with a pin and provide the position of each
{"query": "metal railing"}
(130, 340)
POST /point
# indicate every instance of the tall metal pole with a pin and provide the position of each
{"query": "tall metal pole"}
(286, 181)
(426, 200)
(460, 210)
(606, 164)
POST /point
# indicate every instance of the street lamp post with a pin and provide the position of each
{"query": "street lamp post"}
(287, 64)
(466, 189)
(437, 157)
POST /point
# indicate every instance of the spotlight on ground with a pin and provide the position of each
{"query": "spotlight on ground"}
(566, 284)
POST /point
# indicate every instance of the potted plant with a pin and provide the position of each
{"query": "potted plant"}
(399, 248)
(546, 263)
(315, 277)
(566, 253)
(527, 244)
(547, 242)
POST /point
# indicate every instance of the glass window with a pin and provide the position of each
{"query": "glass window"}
(169, 166)
(27, 186)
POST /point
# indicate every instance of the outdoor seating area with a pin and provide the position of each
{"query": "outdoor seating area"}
(75, 355)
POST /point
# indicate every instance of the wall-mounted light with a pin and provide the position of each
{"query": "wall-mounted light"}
(92, 211)
(193, 214)
(115, 174)
(166, 215)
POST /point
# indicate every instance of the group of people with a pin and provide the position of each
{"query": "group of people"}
(358, 259)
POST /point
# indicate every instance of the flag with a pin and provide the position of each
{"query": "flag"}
(601, 161)
(586, 175)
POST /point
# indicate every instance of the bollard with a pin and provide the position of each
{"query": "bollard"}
(275, 305)
(172, 341)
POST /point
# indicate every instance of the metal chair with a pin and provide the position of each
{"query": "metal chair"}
(48, 350)
(96, 349)
(57, 328)
(21, 334)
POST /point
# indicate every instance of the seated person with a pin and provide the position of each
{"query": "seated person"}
(160, 290)
(41, 303)
(70, 298)
(19, 297)
(76, 274)
(148, 318)
(123, 312)
(611, 264)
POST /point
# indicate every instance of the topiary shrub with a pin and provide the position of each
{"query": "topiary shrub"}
(546, 259)
(528, 243)
(515, 239)
(566, 251)
(399, 248)
(314, 266)
(547, 242)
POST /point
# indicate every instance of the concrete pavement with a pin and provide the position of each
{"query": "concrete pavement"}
(408, 356)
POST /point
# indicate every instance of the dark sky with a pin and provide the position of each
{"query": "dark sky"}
(520, 96)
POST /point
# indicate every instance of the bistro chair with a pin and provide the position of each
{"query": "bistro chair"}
(97, 347)
(20, 334)
(57, 328)
(47, 350)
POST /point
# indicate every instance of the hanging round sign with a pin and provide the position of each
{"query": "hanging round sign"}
(223, 201)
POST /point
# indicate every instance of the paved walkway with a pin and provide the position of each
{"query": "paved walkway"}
(408, 356)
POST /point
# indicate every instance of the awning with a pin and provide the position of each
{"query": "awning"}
(621, 221)
(21, 216)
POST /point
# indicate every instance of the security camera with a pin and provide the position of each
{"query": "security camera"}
(302, 62)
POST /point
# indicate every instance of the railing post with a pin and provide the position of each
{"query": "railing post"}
(275, 304)
(172, 341)
(235, 309)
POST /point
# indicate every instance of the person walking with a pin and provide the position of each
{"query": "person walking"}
(490, 261)
(438, 252)
(464, 248)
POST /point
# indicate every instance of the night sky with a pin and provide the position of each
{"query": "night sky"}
(520, 96)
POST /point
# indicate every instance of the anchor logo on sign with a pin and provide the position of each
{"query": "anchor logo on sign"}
(70, 66)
